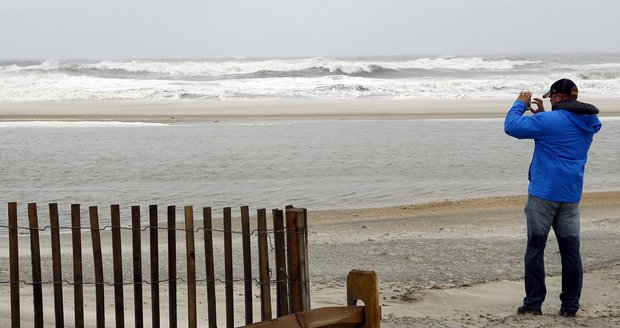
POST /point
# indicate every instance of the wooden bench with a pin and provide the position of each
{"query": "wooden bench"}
(361, 286)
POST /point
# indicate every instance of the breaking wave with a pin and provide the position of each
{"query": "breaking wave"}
(440, 77)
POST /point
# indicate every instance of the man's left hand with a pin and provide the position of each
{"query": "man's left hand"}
(539, 106)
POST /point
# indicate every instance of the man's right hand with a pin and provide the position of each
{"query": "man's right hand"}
(526, 97)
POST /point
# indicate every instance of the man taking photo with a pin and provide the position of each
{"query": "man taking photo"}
(562, 138)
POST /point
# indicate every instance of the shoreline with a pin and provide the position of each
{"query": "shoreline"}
(447, 207)
(183, 112)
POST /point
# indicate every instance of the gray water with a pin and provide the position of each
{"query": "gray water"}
(314, 164)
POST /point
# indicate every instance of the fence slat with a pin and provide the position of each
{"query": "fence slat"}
(281, 274)
(191, 266)
(263, 265)
(154, 240)
(292, 250)
(137, 267)
(78, 288)
(172, 267)
(247, 263)
(209, 263)
(98, 264)
(302, 242)
(119, 305)
(59, 317)
(35, 255)
(14, 265)
(228, 268)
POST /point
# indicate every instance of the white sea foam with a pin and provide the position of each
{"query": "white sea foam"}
(471, 77)
(232, 67)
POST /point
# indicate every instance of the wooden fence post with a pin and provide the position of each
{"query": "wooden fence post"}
(363, 285)
(119, 307)
(172, 266)
(302, 241)
(78, 288)
(14, 265)
(137, 267)
(263, 265)
(281, 273)
(154, 241)
(35, 252)
(247, 263)
(98, 263)
(292, 250)
(209, 263)
(191, 266)
(228, 268)
(56, 266)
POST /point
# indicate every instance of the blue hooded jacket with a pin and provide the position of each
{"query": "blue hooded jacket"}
(562, 139)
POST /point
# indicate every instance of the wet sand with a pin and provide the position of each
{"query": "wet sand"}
(171, 112)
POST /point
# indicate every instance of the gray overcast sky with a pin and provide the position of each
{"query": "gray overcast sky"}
(63, 29)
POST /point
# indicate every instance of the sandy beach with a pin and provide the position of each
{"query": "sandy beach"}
(448, 263)
(179, 112)
(459, 263)
(441, 264)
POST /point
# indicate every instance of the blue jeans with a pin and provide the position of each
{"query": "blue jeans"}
(541, 215)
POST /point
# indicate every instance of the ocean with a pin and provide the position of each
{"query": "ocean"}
(316, 164)
(420, 77)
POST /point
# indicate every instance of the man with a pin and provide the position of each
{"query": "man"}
(562, 138)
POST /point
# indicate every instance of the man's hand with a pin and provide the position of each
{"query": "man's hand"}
(539, 106)
(526, 97)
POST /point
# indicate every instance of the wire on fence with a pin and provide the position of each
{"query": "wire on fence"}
(180, 280)
(268, 232)
(145, 228)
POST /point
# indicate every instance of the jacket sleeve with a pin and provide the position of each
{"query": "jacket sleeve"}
(524, 127)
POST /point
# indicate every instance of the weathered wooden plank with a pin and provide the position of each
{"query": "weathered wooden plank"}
(59, 316)
(292, 251)
(302, 242)
(137, 267)
(364, 286)
(14, 265)
(78, 287)
(172, 267)
(247, 263)
(154, 241)
(98, 263)
(228, 269)
(191, 266)
(333, 317)
(209, 263)
(281, 273)
(117, 258)
(263, 265)
(35, 256)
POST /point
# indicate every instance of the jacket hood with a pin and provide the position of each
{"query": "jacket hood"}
(576, 107)
(586, 117)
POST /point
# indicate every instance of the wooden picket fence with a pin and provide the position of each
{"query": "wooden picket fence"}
(287, 238)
